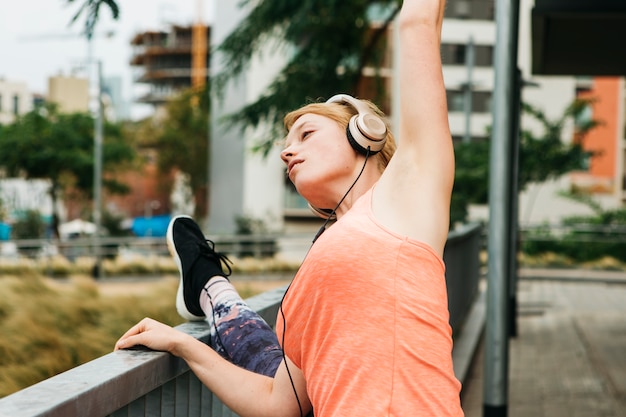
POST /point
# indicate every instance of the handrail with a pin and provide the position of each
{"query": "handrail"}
(462, 260)
(124, 382)
(142, 382)
(260, 245)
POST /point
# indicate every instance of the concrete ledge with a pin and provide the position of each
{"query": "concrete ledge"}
(571, 274)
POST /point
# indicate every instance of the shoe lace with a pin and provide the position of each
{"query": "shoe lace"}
(210, 253)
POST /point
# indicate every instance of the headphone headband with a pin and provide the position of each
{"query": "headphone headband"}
(326, 214)
(358, 105)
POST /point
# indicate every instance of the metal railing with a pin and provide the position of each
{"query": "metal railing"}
(579, 232)
(252, 245)
(462, 259)
(147, 383)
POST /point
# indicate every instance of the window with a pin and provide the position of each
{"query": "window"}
(16, 105)
(481, 101)
(293, 200)
(473, 139)
(470, 9)
(456, 100)
(461, 9)
(460, 54)
(454, 54)
(584, 117)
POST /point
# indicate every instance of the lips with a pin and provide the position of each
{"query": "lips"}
(292, 164)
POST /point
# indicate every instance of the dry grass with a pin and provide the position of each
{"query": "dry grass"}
(555, 260)
(606, 263)
(129, 265)
(546, 260)
(49, 326)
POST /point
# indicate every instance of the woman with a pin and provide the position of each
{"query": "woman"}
(364, 325)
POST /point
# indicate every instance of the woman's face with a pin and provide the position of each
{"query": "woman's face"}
(320, 161)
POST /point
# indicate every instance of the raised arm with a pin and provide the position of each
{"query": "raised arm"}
(413, 195)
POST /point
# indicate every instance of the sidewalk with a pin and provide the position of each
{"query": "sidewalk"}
(569, 358)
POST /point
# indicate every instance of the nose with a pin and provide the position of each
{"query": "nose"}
(286, 155)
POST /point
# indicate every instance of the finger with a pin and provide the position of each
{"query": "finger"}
(135, 330)
(128, 342)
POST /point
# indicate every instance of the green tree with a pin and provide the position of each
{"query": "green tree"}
(45, 144)
(542, 156)
(182, 142)
(90, 9)
(329, 43)
(547, 156)
(471, 178)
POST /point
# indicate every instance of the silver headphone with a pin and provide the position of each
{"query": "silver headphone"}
(367, 132)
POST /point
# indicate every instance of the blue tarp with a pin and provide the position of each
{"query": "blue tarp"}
(5, 231)
(155, 226)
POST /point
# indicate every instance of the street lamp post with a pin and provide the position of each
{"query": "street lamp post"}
(97, 173)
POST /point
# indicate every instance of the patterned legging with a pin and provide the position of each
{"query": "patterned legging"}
(244, 338)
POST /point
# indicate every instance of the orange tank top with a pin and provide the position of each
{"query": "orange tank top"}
(366, 320)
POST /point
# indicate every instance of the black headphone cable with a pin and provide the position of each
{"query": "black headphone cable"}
(317, 235)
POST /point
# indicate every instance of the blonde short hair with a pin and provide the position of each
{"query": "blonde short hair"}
(341, 113)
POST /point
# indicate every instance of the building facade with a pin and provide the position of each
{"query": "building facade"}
(15, 99)
(70, 93)
(604, 178)
(468, 45)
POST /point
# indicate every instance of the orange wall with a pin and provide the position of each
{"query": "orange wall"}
(604, 138)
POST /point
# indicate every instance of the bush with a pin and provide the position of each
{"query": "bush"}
(264, 248)
(30, 226)
(581, 242)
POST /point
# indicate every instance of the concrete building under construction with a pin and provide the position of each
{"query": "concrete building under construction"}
(170, 61)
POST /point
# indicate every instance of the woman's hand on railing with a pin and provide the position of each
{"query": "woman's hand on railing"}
(153, 335)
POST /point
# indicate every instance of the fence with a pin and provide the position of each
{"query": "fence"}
(578, 242)
(110, 247)
(146, 383)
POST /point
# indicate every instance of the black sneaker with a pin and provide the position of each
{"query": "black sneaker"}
(197, 262)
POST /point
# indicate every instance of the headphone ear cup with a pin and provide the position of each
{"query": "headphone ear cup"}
(354, 143)
(367, 131)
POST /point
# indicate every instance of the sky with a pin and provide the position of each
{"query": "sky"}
(37, 40)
